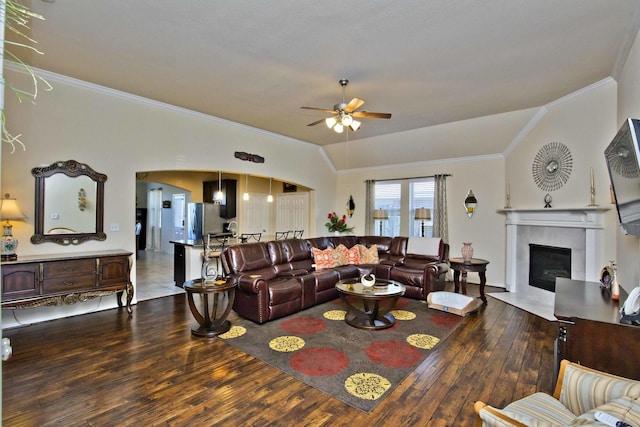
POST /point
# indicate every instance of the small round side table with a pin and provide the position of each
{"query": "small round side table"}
(475, 265)
(216, 303)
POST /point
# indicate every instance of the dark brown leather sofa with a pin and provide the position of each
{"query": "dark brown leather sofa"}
(278, 278)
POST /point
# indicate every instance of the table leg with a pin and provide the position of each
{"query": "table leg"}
(464, 282)
(456, 280)
(483, 281)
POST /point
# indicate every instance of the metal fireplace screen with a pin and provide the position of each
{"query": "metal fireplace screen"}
(546, 263)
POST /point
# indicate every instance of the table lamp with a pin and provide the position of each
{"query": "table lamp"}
(423, 214)
(380, 214)
(9, 211)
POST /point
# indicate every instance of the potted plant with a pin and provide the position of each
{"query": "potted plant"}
(337, 224)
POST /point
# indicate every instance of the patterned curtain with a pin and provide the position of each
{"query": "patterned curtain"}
(369, 223)
(440, 217)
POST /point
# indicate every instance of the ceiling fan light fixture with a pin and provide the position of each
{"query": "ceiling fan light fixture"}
(355, 125)
(338, 128)
(330, 122)
(346, 119)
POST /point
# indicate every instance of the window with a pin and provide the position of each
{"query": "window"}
(421, 196)
(400, 198)
(387, 195)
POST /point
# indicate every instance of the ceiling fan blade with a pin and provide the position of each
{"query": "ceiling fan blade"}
(319, 109)
(365, 114)
(317, 122)
(353, 105)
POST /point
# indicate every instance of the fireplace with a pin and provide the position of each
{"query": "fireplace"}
(546, 263)
(580, 229)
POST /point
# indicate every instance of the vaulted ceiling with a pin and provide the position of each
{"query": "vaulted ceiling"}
(256, 62)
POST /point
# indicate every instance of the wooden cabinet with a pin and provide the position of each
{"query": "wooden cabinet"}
(34, 281)
(228, 187)
(590, 332)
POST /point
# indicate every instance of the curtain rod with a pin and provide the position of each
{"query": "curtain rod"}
(413, 177)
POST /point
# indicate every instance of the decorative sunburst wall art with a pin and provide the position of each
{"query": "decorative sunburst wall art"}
(552, 166)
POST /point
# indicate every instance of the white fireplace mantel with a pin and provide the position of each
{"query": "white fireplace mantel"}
(589, 218)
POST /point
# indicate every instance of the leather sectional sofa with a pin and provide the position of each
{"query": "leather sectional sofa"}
(278, 278)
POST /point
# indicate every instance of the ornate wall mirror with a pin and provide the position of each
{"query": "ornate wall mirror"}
(69, 203)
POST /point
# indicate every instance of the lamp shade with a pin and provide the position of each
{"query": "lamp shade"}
(9, 209)
(380, 214)
(423, 214)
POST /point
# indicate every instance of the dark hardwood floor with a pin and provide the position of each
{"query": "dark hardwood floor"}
(109, 369)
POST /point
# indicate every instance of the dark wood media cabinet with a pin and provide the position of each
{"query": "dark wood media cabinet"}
(34, 281)
(590, 332)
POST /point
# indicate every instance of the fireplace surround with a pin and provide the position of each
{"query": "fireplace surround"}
(579, 229)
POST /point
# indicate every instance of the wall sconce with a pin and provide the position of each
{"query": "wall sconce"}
(9, 211)
(381, 215)
(470, 203)
(423, 214)
(351, 206)
(245, 196)
(218, 197)
(270, 196)
(82, 199)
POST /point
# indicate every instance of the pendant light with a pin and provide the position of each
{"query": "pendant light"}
(270, 196)
(245, 196)
(217, 198)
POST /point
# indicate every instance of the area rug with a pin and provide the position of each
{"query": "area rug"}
(359, 367)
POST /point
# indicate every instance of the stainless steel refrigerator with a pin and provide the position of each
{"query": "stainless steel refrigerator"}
(203, 218)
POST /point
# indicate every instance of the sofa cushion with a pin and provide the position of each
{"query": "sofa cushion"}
(539, 409)
(624, 408)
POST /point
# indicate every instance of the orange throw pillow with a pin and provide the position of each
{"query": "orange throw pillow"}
(352, 255)
(323, 258)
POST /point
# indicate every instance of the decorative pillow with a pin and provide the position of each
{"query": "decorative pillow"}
(341, 255)
(323, 258)
(368, 256)
(353, 255)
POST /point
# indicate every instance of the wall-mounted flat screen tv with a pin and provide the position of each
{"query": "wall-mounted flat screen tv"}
(622, 156)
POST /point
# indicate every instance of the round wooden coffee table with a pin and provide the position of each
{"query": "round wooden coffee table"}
(476, 265)
(216, 303)
(368, 307)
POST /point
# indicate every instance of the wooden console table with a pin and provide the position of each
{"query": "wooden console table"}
(34, 281)
(590, 332)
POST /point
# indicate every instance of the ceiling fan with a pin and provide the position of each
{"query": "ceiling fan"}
(345, 113)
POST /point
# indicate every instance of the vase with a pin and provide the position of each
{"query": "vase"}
(337, 233)
(467, 251)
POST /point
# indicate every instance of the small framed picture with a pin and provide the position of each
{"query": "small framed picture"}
(606, 277)
(166, 204)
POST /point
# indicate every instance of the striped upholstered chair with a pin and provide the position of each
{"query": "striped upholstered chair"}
(579, 393)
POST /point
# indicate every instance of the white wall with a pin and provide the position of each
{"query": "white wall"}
(585, 122)
(485, 229)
